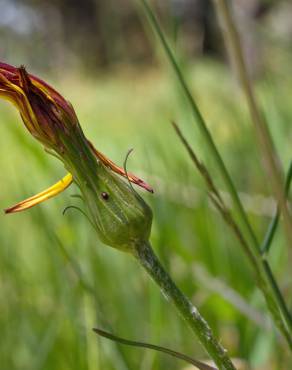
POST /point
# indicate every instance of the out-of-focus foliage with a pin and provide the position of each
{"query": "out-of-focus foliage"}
(56, 280)
(103, 33)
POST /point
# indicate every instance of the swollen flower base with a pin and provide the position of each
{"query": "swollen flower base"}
(121, 217)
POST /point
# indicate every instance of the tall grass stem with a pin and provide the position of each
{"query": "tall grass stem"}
(261, 267)
(270, 157)
(267, 242)
(265, 283)
(202, 125)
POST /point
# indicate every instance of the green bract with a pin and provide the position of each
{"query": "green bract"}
(121, 217)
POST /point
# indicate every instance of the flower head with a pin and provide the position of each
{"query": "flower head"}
(43, 110)
(52, 120)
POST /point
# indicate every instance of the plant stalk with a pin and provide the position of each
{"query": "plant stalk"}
(203, 127)
(270, 157)
(269, 153)
(198, 364)
(147, 258)
(261, 268)
(266, 284)
(267, 242)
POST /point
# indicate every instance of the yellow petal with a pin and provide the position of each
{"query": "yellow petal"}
(44, 195)
(16, 95)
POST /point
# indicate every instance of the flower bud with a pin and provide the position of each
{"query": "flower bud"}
(45, 113)
(120, 216)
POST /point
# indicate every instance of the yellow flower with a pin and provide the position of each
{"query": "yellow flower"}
(52, 120)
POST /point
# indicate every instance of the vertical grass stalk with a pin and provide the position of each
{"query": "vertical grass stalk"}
(202, 125)
(261, 266)
(267, 242)
(269, 153)
(265, 283)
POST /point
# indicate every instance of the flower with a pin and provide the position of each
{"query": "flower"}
(120, 216)
(52, 120)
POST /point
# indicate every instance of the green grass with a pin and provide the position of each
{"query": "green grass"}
(57, 281)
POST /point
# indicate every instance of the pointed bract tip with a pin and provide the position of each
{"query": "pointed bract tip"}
(144, 185)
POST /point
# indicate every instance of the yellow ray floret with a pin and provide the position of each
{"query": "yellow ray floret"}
(44, 195)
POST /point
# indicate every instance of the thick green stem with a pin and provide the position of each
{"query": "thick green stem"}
(187, 310)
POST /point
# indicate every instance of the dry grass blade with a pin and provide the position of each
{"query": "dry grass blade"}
(215, 196)
(200, 166)
(269, 153)
(259, 268)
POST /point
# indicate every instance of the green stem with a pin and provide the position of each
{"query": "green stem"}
(269, 291)
(275, 220)
(281, 302)
(198, 364)
(261, 268)
(268, 150)
(265, 249)
(203, 127)
(196, 322)
(269, 153)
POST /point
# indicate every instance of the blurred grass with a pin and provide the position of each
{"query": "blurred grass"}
(46, 312)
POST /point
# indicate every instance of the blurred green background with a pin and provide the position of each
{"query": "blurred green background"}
(57, 281)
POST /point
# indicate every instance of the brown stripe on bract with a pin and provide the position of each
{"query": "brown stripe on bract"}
(24, 79)
(131, 177)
